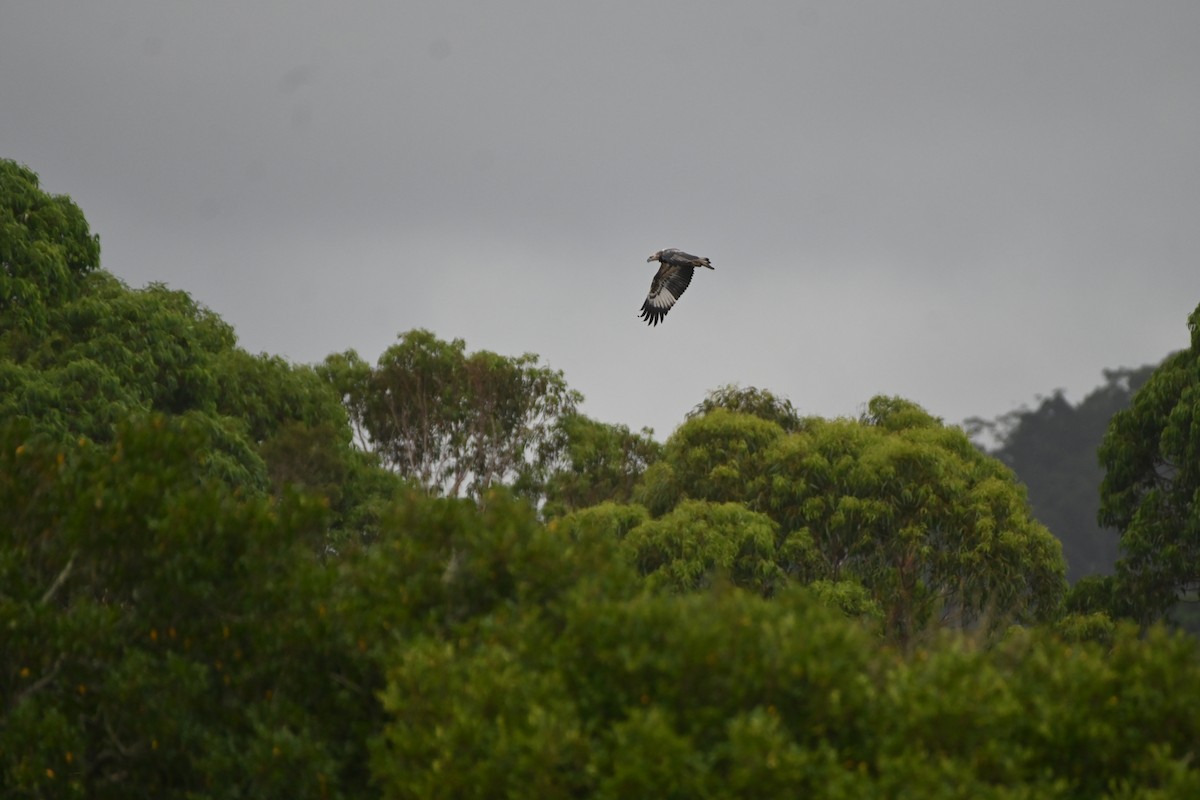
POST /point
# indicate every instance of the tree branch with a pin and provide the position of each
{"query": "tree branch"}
(60, 580)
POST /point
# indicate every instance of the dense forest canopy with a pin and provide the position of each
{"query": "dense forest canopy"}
(227, 575)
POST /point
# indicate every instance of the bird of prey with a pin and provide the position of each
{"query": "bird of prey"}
(672, 279)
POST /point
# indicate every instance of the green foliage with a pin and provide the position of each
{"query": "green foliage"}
(1097, 627)
(477, 724)
(697, 541)
(45, 248)
(1151, 457)
(311, 456)
(81, 353)
(851, 597)
(624, 697)
(451, 422)
(1012, 716)
(646, 757)
(592, 463)
(111, 352)
(935, 530)
(167, 636)
(725, 694)
(154, 622)
(607, 521)
(752, 401)
(175, 624)
(718, 456)
(265, 393)
(1101, 594)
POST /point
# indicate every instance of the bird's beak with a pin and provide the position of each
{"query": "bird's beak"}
(651, 258)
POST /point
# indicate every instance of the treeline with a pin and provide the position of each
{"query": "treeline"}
(225, 575)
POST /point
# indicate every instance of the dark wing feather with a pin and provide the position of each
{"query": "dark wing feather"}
(668, 286)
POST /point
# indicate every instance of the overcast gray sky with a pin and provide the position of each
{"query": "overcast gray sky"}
(966, 204)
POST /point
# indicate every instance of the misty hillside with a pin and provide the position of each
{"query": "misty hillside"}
(1053, 449)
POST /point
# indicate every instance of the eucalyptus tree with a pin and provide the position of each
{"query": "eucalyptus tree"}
(454, 422)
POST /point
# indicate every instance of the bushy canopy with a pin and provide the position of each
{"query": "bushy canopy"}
(1151, 457)
(81, 353)
(894, 500)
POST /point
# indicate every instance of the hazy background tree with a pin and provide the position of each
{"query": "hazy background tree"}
(1053, 450)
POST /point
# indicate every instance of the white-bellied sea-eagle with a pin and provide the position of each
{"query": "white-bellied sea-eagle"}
(670, 282)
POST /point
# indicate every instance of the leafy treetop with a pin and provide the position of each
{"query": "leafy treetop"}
(1151, 457)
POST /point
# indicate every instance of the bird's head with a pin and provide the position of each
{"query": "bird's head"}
(655, 256)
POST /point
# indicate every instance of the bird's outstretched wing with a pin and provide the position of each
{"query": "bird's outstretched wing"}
(669, 284)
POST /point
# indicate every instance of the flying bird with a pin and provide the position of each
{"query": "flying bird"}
(670, 282)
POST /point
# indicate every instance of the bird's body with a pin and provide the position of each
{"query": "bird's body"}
(672, 279)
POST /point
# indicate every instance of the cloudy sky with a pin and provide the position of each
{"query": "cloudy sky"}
(966, 204)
